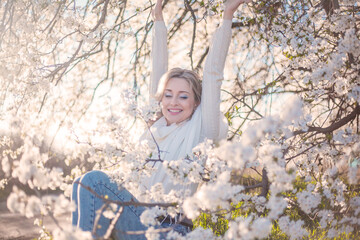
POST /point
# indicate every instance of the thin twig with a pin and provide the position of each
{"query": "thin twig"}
(128, 203)
(113, 223)
(97, 218)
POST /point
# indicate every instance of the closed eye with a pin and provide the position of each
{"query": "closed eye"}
(184, 97)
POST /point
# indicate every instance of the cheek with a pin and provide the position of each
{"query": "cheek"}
(190, 106)
(163, 102)
(162, 105)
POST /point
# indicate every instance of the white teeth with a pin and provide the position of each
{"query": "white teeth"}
(175, 111)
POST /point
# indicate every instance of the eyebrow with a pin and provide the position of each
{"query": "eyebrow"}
(179, 91)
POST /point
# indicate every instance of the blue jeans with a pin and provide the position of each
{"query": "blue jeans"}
(87, 203)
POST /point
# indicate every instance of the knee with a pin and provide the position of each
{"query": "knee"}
(75, 185)
(76, 181)
(93, 178)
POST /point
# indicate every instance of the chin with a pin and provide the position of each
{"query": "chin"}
(175, 119)
(172, 121)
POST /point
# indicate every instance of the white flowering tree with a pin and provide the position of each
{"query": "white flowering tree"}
(291, 94)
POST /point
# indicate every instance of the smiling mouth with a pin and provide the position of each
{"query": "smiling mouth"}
(174, 111)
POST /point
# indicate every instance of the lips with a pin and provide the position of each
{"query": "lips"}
(174, 111)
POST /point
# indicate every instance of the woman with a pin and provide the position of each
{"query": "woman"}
(190, 113)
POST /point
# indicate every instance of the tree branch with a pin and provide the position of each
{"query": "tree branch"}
(103, 16)
(334, 126)
(187, 4)
(264, 183)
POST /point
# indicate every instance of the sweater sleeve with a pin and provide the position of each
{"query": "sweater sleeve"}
(214, 126)
(159, 55)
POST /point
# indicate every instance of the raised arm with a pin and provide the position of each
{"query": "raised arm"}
(214, 127)
(159, 51)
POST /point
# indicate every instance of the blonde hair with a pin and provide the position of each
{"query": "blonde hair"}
(190, 76)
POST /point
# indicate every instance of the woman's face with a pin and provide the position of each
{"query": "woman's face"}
(178, 101)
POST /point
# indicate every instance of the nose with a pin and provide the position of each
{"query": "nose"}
(174, 101)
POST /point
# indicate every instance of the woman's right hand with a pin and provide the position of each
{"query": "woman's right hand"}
(157, 11)
(231, 6)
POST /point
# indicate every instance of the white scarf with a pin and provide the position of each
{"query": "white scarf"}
(175, 142)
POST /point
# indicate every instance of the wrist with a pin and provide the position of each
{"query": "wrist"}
(159, 18)
(157, 15)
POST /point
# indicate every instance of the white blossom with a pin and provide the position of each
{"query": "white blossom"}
(292, 228)
(308, 200)
(277, 206)
(151, 234)
(148, 217)
(71, 233)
